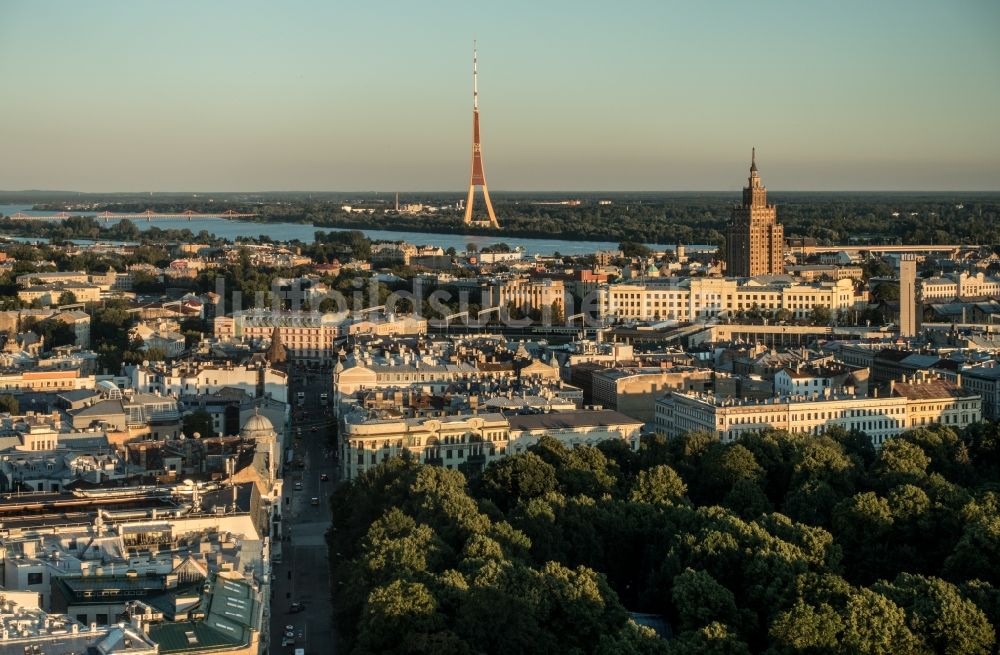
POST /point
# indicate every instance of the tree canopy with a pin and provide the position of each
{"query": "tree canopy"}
(777, 543)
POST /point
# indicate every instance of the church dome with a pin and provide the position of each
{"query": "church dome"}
(258, 427)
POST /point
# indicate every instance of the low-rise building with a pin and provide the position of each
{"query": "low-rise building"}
(984, 381)
(28, 630)
(472, 440)
(820, 381)
(50, 294)
(526, 295)
(959, 286)
(196, 378)
(816, 272)
(912, 404)
(693, 299)
(15, 382)
(52, 277)
(633, 390)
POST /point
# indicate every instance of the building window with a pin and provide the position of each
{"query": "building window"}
(34, 578)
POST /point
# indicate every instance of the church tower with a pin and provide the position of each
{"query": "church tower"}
(755, 242)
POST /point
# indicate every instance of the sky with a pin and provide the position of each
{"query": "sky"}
(574, 95)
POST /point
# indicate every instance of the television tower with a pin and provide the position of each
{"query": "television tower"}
(478, 175)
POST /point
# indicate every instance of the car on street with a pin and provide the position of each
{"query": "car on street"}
(324, 477)
(314, 501)
(295, 608)
(298, 486)
(290, 634)
(285, 641)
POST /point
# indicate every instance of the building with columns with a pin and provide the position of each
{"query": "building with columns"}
(701, 298)
(916, 402)
(755, 242)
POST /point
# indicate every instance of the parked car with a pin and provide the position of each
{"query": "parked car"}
(295, 608)
(314, 501)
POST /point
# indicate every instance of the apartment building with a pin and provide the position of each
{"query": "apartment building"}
(307, 336)
(366, 372)
(13, 320)
(45, 380)
(200, 378)
(820, 380)
(985, 382)
(310, 336)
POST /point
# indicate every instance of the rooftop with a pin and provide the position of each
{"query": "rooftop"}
(572, 419)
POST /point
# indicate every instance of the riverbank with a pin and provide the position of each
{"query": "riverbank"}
(232, 231)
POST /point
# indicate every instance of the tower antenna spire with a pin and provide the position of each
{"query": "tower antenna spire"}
(753, 158)
(478, 177)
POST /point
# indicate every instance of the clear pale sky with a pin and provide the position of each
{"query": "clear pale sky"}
(574, 95)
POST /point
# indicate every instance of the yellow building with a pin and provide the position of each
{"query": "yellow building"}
(927, 401)
(447, 441)
(472, 440)
(692, 299)
(45, 380)
(49, 294)
(526, 295)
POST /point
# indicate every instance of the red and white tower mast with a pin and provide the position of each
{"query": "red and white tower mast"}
(478, 174)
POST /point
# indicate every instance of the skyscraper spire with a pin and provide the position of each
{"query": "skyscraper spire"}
(475, 76)
(754, 239)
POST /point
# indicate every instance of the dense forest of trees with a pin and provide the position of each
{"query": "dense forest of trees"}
(84, 227)
(776, 543)
(835, 219)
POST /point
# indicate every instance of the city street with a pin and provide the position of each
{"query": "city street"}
(303, 576)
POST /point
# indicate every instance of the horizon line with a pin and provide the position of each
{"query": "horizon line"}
(462, 193)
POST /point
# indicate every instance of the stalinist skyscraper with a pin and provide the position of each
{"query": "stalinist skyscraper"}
(755, 243)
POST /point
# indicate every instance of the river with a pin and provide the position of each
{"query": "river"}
(231, 229)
